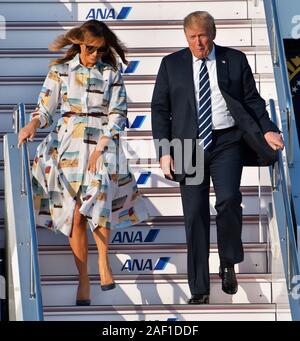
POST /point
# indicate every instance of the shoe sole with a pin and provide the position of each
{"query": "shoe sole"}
(108, 286)
(83, 302)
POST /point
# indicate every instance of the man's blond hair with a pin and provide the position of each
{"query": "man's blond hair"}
(201, 18)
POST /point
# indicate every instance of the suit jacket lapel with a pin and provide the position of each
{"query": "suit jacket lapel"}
(222, 68)
(187, 72)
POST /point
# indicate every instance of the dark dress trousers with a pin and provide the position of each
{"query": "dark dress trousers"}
(174, 116)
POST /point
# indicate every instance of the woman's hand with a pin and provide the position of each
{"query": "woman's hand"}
(28, 132)
(93, 165)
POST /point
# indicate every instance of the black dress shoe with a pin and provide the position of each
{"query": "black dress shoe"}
(199, 299)
(229, 282)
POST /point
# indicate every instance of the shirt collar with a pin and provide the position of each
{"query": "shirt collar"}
(75, 63)
(211, 56)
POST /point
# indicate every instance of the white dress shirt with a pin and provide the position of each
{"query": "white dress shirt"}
(221, 117)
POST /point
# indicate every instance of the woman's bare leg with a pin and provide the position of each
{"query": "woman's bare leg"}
(79, 245)
(101, 236)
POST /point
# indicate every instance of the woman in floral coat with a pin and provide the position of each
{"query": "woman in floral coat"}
(80, 175)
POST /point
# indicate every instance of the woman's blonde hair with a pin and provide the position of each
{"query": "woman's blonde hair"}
(90, 29)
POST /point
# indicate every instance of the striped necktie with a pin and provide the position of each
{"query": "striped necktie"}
(204, 113)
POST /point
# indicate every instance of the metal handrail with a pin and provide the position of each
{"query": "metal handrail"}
(277, 50)
(26, 190)
(279, 182)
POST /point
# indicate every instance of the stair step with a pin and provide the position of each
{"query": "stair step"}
(61, 291)
(225, 312)
(159, 232)
(230, 33)
(139, 88)
(58, 11)
(20, 63)
(167, 202)
(151, 176)
(146, 259)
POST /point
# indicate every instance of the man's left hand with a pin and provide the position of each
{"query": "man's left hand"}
(274, 140)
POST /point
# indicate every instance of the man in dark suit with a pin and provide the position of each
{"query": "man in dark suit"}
(207, 94)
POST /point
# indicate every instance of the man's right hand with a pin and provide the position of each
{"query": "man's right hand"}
(29, 131)
(167, 165)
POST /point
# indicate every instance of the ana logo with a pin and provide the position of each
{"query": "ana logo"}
(143, 178)
(130, 67)
(137, 123)
(108, 13)
(145, 264)
(135, 237)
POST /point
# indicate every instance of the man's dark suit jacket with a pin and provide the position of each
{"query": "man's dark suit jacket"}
(174, 112)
